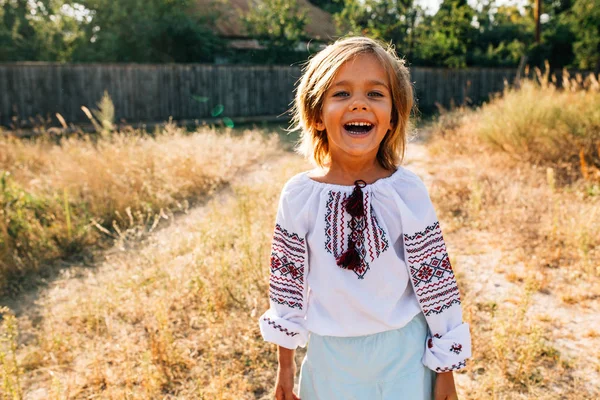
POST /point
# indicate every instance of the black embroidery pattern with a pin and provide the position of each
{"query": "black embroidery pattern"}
(430, 270)
(286, 282)
(369, 238)
(279, 327)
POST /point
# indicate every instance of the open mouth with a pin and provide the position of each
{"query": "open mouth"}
(358, 128)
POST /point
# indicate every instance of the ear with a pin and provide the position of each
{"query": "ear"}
(392, 124)
(319, 125)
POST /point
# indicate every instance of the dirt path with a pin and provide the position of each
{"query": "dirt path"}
(573, 328)
(123, 259)
(570, 321)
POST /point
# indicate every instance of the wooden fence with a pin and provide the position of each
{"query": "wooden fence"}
(145, 93)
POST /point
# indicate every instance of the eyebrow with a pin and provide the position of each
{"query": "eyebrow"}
(373, 82)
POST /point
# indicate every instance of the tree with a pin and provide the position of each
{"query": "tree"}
(503, 36)
(278, 25)
(59, 30)
(445, 38)
(37, 31)
(386, 20)
(147, 31)
(331, 6)
(17, 36)
(584, 20)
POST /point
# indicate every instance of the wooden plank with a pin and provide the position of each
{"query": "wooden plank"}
(199, 92)
(157, 112)
(4, 97)
(174, 91)
(186, 96)
(253, 84)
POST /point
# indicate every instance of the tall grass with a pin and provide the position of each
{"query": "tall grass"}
(58, 199)
(541, 123)
(527, 164)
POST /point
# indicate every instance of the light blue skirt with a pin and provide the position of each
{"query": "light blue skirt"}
(381, 366)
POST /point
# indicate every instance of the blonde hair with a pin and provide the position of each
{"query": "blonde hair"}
(318, 74)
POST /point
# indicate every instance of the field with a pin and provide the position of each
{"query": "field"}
(169, 309)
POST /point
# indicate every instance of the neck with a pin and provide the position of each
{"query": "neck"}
(346, 170)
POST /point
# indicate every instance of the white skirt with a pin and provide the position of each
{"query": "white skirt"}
(381, 366)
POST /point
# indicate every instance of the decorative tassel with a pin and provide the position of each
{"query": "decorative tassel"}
(354, 205)
(350, 259)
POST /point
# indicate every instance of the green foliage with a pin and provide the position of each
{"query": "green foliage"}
(331, 6)
(445, 38)
(24, 234)
(38, 31)
(386, 20)
(17, 35)
(106, 30)
(490, 34)
(277, 24)
(584, 20)
(457, 35)
(147, 31)
(503, 36)
(556, 46)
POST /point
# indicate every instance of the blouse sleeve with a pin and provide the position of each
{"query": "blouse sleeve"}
(432, 277)
(283, 322)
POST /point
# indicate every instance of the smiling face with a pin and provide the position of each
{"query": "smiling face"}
(357, 109)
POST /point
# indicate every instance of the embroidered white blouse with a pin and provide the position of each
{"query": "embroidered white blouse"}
(403, 267)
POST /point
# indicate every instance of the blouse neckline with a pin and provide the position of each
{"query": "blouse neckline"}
(373, 185)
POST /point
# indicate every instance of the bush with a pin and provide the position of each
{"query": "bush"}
(544, 124)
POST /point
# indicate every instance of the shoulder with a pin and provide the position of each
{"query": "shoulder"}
(297, 191)
(296, 201)
(406, 182)
(296, 184)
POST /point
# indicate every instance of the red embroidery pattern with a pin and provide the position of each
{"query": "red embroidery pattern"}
(456, 366)
(456, 348)
(370, 239)
(430, 341)
(286, 282)
(430, 269)
(281, 328)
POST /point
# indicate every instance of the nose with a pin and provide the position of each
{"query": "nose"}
(358, 105)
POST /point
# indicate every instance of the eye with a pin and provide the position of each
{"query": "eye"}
(376, 94)
(341, 94)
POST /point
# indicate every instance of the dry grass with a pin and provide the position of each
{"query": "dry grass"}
(177, 319)
(543, 124)
(57, 200)
(510, 175)
(545, 224)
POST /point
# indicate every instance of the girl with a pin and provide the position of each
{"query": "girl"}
(359, 267)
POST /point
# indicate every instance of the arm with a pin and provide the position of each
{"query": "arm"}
(284, 387)
(432, 278)
(283, 322)
(286, 357)
(444, 387)
(449, 342)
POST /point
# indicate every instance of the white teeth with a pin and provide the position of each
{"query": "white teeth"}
(359, 124)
